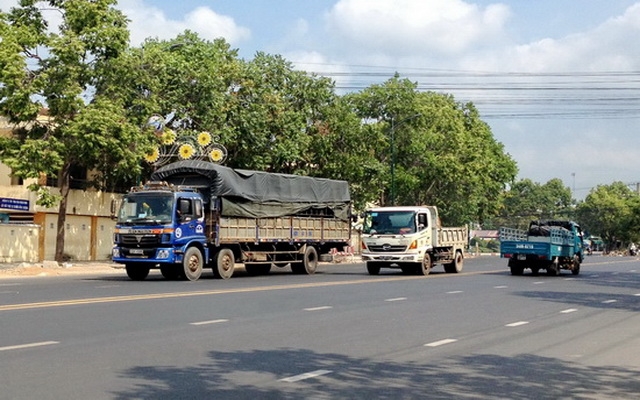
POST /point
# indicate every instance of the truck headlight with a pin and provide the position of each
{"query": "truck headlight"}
(162, 254)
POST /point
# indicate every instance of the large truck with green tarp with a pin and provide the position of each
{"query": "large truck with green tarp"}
(193, 215)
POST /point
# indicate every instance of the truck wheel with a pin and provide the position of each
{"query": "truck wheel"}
(576, 265)
(310, 260)
(373, 269)
(516, 270)
(170, 271)
(425, 267)
(225, 263)
(192, 264)
(553, 269)
(137, 272)
(456, 265)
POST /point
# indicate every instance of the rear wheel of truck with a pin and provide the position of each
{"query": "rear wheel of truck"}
(309, 262)
(516, 270)
(224, 264)
(373, 269)
(171, 271)
(192, 264)
(425, 267)
(137, 272)
(576, 265)
(553, 269)
(456, 265)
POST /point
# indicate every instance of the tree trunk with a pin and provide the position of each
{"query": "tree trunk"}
(63, 185)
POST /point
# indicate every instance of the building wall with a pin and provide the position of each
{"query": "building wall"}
(19, 243)
(88, 226)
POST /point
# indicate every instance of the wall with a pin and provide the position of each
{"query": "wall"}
(19, 243)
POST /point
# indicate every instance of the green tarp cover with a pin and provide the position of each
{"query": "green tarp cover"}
(257, 194)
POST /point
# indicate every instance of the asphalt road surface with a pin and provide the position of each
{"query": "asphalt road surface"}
(339, 334)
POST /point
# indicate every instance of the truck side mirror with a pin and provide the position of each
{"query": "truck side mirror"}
(113, 209)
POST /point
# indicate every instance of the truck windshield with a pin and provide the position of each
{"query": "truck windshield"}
(146, 209)
(389, 222)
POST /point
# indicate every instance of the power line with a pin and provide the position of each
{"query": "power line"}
(512, 95)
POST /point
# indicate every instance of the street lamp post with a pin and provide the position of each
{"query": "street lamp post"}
(394, 126)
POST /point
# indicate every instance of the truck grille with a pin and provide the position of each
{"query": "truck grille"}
(139, 240)
(385, 248)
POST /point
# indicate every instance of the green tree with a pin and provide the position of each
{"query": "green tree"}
(611, 212)
(65, 70)
(527, 200)
(435, 150)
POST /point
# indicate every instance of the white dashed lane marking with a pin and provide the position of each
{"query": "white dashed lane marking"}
(500, 287)
(440, 342)
(609, 301)
(213, 321)
(318, 308)
(27, 345)
(568, 310)
(455, 292)
(308, 375)
(519, 323)
(397, 299)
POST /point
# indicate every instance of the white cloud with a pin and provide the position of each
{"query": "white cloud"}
(148, 21)
(408, 26)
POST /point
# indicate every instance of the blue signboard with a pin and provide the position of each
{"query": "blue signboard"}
(14, 204)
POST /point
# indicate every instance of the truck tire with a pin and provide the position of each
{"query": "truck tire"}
(171, 271)
(576, 265)
(310, 260)
(224, 264)
(516, 270)
(456, 265)
(553, 269)
(373, 269)
(192, 264)
(137, 272)
(425, 267)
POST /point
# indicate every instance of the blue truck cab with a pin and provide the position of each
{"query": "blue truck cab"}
(550, 245)
(155, 225)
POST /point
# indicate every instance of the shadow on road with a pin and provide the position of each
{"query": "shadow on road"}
(470, 377)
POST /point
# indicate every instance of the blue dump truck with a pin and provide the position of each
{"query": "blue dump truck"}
(548, 245)
(195, 214)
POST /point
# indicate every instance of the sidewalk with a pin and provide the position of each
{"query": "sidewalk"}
(52, 268)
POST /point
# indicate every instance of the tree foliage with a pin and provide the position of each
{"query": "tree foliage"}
(611, 212)
(526, 200)
(66, 70)
(434, 151)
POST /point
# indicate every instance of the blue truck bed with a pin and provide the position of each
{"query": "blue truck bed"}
(559, 248)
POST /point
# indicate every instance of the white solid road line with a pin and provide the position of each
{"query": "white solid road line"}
(213, 321)
(308, 375)
(27, 345)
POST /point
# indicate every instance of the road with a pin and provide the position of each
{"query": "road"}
(339, 334)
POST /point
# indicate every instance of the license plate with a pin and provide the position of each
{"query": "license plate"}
(522, 256)
(137, 251)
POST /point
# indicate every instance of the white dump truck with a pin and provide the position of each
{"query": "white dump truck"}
(411, 239)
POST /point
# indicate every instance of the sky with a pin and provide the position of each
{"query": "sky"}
(557, 81)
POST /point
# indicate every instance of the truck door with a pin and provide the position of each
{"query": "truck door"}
(190, 219)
